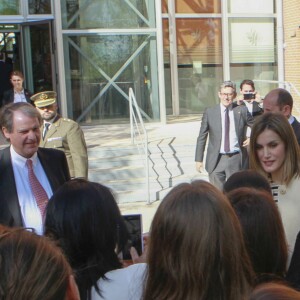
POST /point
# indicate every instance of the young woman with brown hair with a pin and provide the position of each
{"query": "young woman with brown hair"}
(33, 268)
(196, 248)
(274, 152)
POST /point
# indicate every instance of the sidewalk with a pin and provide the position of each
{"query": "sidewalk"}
(184, 129)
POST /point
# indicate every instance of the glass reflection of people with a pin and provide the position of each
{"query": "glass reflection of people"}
(250, 98)
(18, 93)
(274, 152)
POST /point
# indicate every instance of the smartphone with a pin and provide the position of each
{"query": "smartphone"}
(134, 227)
(249, 96)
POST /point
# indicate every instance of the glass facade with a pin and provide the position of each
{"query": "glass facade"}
(39, 7)
(103, 65)
(253, 51)
(108, 46)
(199, 58)
(215, 41)
(9, 7)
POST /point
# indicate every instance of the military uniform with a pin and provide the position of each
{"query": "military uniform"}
(66, 135)
(63, 134)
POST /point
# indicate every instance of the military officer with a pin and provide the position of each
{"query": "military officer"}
(61, 133)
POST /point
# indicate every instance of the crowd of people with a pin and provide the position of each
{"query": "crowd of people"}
(235, 237)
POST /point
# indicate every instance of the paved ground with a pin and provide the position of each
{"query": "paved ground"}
(185, 129)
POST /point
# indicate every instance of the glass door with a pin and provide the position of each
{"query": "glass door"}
(38, 54)
(193, 56)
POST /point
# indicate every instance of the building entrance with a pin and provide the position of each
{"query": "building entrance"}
(29, 47)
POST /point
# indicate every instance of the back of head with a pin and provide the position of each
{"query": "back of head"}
(274, 291)
(31, 267)
(262, 228)
(196, 248)
(282, 96)
(247, 178)
(84, 219)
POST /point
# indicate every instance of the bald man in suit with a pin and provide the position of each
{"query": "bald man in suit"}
(280, 100)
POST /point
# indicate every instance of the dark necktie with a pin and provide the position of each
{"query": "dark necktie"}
(38, 191)
(46, 128)
(227, 126)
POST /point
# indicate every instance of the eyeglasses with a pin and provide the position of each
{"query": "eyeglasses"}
(11, 231)
(227, 94)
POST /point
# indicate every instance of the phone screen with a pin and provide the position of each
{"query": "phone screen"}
(134, 227)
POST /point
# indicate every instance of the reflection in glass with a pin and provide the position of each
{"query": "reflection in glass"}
(87, 14)
(41, 57)
(199, 56)
(9, 7)
(167, 70)
(194, 6)
(253, 6)
(253, 51)
(164, 6)
(39, 7)
(103, 68)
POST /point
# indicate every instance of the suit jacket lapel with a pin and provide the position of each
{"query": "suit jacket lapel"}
(218, 120)
(52, 129)
(46, 162)
(237, 119)
(9, 184)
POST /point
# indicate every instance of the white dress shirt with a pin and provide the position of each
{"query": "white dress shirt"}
(249, 106)
(19, 97)
(233, 140)
(30, 212)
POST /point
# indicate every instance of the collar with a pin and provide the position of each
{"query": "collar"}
(20, 160)
(291, 119)
(51, 121)
(223, 108)
(22, 92)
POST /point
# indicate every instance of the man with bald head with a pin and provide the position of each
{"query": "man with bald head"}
(280, 100)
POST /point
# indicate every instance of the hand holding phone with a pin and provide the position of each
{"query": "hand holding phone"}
(134, 227)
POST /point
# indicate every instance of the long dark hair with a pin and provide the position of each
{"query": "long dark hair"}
(83, 217)
(196, 248)
(263, 230)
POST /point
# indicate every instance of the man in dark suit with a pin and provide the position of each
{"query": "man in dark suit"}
(17, 93)
(280, 100)
(19, 206)
(250, 98)
(226, 152)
